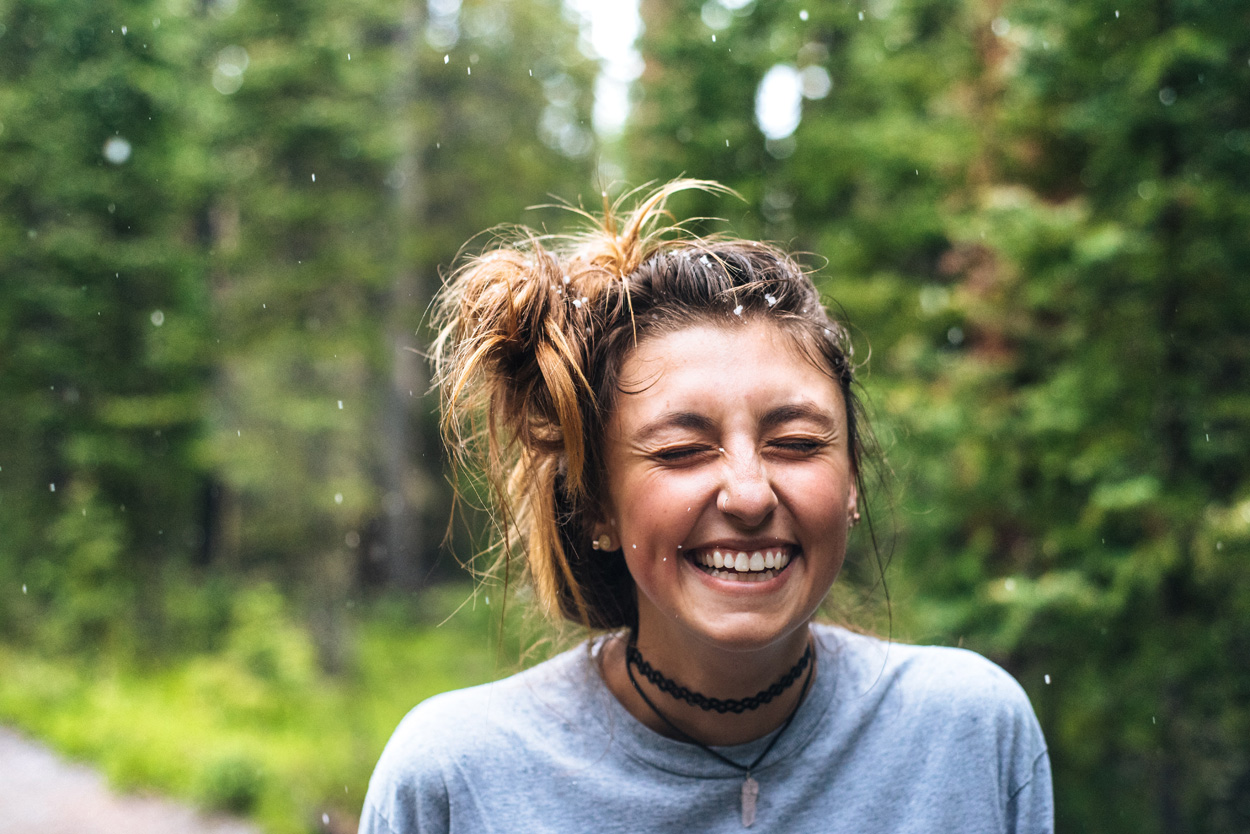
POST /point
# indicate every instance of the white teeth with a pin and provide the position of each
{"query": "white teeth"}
(759, 566)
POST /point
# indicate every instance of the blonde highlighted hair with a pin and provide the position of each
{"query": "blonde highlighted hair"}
(531, 338)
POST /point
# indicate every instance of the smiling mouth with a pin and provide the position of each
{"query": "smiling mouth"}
(741, 565)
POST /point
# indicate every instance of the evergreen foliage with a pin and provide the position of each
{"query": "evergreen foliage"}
(1032, 212)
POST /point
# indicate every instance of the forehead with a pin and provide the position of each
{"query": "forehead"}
(743, 368)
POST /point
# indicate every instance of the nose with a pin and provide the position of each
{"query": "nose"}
(747, 492)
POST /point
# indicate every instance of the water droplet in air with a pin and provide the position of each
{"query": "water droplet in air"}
(116, 150)
(338, 498)
(23, 589)
(446, 59)
(51, 487)
(340, 405)
(325, 819)
(123, 30)
(803, 14)
(314, 176)
(861, 15)
(158, 318)
(738, 310)
(1117, 12)
(1047, 679)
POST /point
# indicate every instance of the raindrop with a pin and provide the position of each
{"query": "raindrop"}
(123, 30)
(1009, 584)
(338, 498)
(349, 56)
(1117, 13)
(803, 14)
(738, 310)
(51, 487)
(23, 589)
(325, 819)
(116, 150)
(1000, 26)
(1167, 96)
(713, 39)
(446, 59)
(726, 143)
(955, 335)
(156, 23)
(340, 405)
(1047, 679)
(470, 70)
(1152, 718)
(861, 15)
(158, 318)
(815, 81)
(314, 177)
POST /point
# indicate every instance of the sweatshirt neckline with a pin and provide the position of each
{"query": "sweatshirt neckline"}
(642, 744)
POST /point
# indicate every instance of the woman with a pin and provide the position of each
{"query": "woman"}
(670, 429)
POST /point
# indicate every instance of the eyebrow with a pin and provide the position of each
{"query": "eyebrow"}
(775, 417)
(674, 420)
(798, 411)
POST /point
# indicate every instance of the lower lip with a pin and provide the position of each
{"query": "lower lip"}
(741, 585)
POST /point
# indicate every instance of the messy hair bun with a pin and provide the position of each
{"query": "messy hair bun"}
(532, 335)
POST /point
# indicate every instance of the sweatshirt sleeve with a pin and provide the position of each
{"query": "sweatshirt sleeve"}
(408, 791)
(1031, 808)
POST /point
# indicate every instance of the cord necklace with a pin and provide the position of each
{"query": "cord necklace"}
(750, 787)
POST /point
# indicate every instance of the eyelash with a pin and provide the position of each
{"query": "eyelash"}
(685, 453)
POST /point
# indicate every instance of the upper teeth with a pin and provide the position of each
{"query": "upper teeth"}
(760, 560)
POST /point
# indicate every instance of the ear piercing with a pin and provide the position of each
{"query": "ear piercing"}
(604, 542)
(853, 520)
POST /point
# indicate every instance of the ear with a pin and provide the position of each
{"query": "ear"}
(603, 534)
(852, 499)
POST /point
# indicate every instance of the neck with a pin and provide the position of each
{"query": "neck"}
(715, 673)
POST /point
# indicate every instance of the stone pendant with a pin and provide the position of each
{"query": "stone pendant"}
(750, 792)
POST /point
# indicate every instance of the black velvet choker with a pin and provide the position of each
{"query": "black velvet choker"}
(698, 699)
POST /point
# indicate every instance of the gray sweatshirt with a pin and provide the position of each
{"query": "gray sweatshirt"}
(891, 739)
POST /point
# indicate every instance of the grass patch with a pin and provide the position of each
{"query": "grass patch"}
(254, 728)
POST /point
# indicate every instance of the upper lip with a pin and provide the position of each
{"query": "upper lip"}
(744, 545)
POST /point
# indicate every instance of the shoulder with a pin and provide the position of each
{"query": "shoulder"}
(939, 695)
(470, 731)
(938, 676)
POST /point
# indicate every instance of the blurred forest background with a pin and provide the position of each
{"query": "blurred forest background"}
(222, 497)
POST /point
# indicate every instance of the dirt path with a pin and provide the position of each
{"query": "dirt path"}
(42, 793)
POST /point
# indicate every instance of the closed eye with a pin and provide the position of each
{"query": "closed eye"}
(679, 454)
(798, 445)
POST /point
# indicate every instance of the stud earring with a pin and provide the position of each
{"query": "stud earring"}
(854, 519)
(602, 543)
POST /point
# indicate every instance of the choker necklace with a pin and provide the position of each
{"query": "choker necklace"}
(750, 787)
(698, 699)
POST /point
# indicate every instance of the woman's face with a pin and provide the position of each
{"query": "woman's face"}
(729, 441)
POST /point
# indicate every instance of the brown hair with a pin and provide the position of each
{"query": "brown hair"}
(532, 336)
